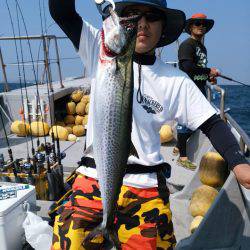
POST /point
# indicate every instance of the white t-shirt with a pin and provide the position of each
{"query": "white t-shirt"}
(168, 94)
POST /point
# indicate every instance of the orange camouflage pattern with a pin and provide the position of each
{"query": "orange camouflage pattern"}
(142, 220)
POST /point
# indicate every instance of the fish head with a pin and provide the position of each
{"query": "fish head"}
(119, 32)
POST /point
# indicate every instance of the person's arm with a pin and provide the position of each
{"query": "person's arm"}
(65, 15)
(189, 67)
(186, 54)
(225, 143)
(191, 108)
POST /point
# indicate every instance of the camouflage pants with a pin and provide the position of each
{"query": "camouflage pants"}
(142, 220)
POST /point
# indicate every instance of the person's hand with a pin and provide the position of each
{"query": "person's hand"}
(213, 80)
(242, 173)
(214, 72)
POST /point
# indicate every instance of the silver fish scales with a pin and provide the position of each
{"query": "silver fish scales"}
(113, 100)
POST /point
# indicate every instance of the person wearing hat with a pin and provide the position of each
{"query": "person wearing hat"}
(143, 219)
(192, 55)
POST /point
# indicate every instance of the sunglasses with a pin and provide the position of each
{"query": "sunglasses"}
(149, 16)
(199, 23)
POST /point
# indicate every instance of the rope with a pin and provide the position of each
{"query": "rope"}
(139, 96)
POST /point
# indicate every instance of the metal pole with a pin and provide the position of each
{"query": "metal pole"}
(58, 62)
(6, 87)
(209, 94)
(46, 62)
(242, 145)
(222, 105)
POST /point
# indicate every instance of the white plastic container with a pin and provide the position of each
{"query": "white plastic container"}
(12, 215)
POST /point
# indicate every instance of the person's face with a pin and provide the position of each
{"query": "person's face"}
(149, 27)
(198, 28)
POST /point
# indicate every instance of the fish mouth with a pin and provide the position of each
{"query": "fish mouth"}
(130, 22)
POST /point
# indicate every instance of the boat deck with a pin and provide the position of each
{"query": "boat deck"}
(227, 219)
(179, 177)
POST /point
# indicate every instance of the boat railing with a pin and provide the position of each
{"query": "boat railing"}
(244, 139)
(218, 89)
(46, 60)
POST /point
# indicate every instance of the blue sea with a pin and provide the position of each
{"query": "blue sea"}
(237, 99)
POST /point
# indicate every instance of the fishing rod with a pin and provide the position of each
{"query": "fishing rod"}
(34, 158)
(232, 80)
(55, 177)
(20, 78)
(27, 165)
(12, 162)
(35, 76)
(58, 154)
(48, 73)
(16, 162)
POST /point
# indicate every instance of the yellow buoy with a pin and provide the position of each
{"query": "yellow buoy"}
(71, 108)
(213, 170)
(166, 133)
(85, 120)
(69, 119)
(39, 128)
(77, 95)
(85, 98)
(78, 130)
(59, 132)
(78, 120)
(202, 198)
(80, 108)
(20, 128)
(69, 127)
(72, 137)
(87, 108)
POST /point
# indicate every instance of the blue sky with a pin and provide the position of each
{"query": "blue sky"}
(228, 43)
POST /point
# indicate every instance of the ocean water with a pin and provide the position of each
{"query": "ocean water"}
(237, 99)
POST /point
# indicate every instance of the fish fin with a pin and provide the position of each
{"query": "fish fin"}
(111, 241)
(88, 150)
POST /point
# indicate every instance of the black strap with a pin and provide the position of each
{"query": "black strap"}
(162, 170)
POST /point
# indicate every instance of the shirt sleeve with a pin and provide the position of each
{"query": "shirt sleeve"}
(186, 52)
(223, 141)
(65, 15)
(189, 66)
(190, 106)
(89, 48)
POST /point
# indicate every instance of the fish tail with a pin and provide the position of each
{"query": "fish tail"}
(111, 241)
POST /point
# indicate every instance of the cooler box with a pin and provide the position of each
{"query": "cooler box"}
(12, 215)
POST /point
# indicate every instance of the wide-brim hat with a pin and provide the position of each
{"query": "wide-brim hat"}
(174, 23)
(209, 23)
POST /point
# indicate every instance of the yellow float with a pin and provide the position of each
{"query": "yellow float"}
(39, 128)
(166, 133)
(213, 170)
(202, 199)
(20, 128)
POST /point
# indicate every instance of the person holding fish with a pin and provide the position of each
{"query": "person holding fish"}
(120, 199)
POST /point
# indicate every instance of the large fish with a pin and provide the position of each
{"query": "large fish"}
(113, 99)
